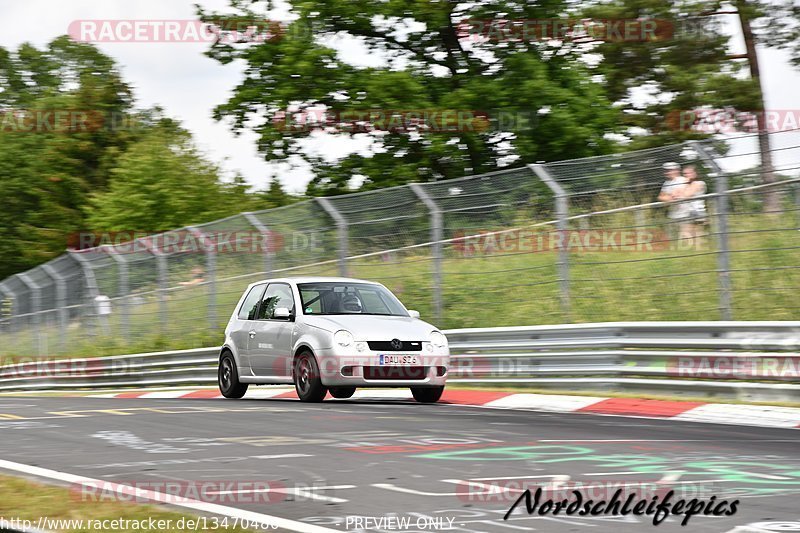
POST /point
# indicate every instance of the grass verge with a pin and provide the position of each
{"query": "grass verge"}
(26, 500)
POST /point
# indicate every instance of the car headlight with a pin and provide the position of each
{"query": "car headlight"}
(343, 338)
(438, 339)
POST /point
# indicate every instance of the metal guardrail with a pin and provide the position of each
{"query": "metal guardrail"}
(756, 361)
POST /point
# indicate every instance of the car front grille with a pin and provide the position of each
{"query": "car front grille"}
(395, 372)
(386, 346)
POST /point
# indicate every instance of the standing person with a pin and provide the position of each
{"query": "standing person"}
(670, 192)
(692, 225)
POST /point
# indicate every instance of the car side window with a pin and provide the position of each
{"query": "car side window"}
(250, 304)
(277, 295)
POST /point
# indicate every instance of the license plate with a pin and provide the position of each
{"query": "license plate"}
(398, 360)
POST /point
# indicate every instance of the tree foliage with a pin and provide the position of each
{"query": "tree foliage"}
(693, 67)
(429, 66)
(123, 169)
(159, 183)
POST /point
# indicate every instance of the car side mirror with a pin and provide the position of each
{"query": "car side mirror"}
(282, 313)
(413, 314)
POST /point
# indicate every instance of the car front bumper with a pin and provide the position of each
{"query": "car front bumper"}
(368, 370)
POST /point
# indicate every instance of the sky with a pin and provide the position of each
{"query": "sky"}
(188, 85)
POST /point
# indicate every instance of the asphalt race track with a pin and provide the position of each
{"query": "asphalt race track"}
(330, 463)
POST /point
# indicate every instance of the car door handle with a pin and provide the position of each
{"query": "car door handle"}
(252, 334)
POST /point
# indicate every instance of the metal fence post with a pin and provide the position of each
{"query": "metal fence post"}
(341, 226)
(36, 315)
(9, 305)
(92, 290)
(797, 203)
(6, 316)
(211, 274)
(124, 290)
(161, 265)
(264, 231)
(436, 237)
(61, 303)
(723, 257)
(562, 212)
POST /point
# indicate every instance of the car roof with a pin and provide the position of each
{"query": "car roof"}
(313, 279)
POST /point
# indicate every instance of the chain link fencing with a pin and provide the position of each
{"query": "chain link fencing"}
(584, 240)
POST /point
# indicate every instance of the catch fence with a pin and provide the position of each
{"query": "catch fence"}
(574, 241)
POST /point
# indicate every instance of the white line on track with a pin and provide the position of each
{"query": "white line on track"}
(127, 490)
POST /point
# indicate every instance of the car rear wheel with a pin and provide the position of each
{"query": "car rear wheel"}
(307, 381)
(342, 392)
(228, 378)
(427, 394)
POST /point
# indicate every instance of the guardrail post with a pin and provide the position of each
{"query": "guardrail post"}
(437, 228)
(211, 274)
(723, 257)
(341, 226)
(61, 303)
(92, 289)
(562, 213)
(267, 243)
(36, 308)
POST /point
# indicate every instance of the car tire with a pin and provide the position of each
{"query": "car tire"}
(307, 380)
(427, 394)
(228, 377)
(342, 392)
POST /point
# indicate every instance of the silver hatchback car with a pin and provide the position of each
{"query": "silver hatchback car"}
(330, 334)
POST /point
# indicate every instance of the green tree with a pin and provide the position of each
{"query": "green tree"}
(429, 67)
(657, 82)
(776, 24)
(161, 182)
(275, 196)
(138, 166)
(47, 172)
(692, 67)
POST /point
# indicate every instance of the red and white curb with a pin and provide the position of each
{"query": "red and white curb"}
(718, 413)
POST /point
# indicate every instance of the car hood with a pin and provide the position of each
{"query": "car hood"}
(372, 327)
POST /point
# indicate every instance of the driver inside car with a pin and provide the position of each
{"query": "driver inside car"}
(351, 304)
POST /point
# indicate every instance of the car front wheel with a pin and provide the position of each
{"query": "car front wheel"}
(228, 378)
(307, 381)
(427, 394)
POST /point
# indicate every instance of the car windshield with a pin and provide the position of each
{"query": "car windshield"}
(343, 298)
